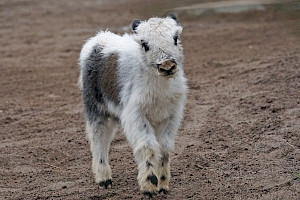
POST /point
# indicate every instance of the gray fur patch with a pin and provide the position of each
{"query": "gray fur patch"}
(99, 78)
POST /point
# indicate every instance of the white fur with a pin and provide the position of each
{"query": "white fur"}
(146, 99)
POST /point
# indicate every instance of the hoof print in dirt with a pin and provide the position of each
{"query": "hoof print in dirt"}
(164, 191)
(105, 184)
(153, 179)
(149, 194)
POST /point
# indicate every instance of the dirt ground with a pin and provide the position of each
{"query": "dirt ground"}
(240, 136)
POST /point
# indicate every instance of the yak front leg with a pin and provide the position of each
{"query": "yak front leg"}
(164, 172)
(166, 137)
(146, 149)
(147, 160)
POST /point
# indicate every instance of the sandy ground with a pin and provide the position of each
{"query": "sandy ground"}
(239, 139)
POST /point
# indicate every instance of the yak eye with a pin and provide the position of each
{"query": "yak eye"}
(175, 39)
(145, 45)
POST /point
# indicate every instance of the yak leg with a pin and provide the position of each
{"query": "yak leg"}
(100, 135)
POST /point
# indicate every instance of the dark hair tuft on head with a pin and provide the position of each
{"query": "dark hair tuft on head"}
(173, 16)
(135, 24)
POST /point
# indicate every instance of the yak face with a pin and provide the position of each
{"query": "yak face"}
(160, 44)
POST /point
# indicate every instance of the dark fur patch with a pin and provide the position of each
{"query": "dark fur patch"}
(173, 16)
(163, 178)
(144, 127)
(153, 179)
(91, 94)
(165, 159)
(99, 79)
(135, 24)
(148, 164)
(149, 194)
(162, 190)
(105, 184)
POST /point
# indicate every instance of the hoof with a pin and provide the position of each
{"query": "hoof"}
(105, 184)
(164, 191)
(149, 194)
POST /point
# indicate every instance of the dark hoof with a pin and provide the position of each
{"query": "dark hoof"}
(105, 184)
(149, 194)
(162, 190)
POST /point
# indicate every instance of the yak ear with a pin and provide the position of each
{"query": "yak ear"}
(135, 24)
(173, 16)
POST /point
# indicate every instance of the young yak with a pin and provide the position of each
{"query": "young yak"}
(137, 80)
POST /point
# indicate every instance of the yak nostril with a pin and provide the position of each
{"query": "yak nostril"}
(157, 65)
(172, 68)
(162, 70)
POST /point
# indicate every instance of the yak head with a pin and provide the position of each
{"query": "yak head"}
(160, 44)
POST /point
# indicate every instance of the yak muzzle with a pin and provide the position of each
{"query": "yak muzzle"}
(168, 68)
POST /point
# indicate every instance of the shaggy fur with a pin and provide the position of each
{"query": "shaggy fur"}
(137, 80)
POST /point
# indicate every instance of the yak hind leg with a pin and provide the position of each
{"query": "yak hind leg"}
(100, 135)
